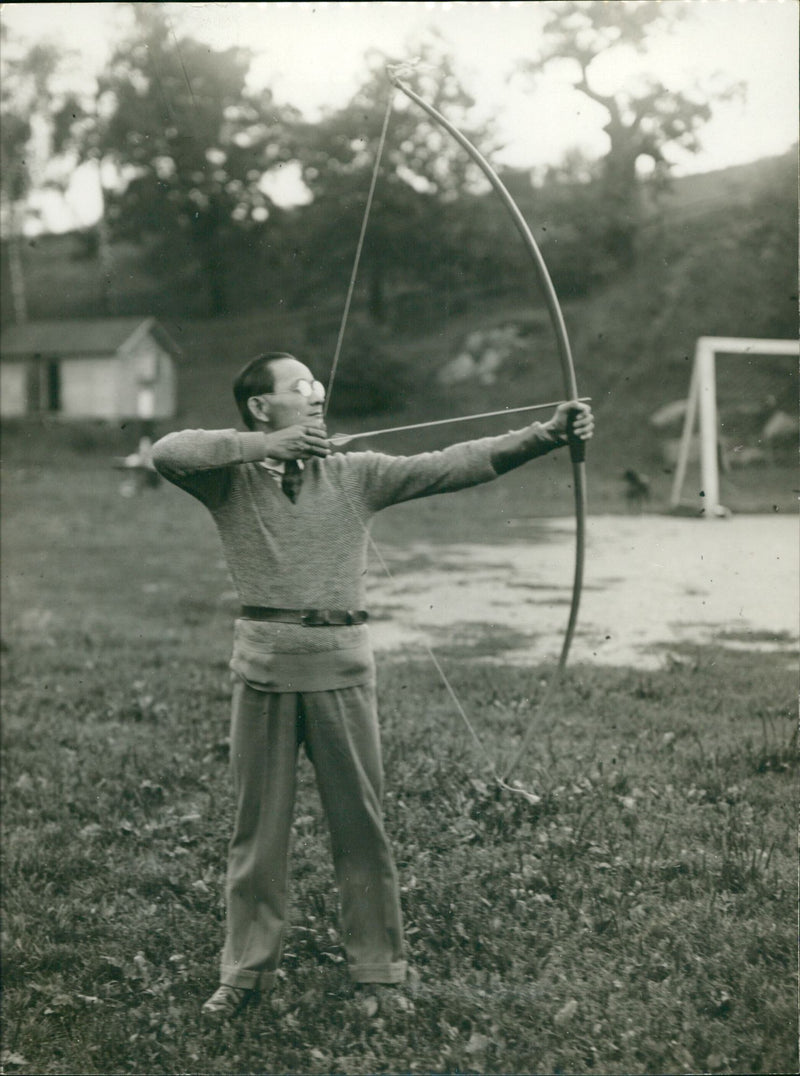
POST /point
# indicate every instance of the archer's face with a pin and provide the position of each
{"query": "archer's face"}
(296, 399)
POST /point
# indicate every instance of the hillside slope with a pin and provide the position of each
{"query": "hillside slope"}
(708, 266)
(719, 259)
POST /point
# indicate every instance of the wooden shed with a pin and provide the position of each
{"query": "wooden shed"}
(107, 368)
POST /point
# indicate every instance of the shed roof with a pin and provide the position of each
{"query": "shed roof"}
(85, 336)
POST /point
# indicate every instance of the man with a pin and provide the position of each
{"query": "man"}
(293, 521)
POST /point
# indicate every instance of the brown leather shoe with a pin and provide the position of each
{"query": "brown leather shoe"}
(227, 1002)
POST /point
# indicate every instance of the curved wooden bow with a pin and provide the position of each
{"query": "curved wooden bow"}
(576, 446)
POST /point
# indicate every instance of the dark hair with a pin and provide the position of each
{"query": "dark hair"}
(254, 379)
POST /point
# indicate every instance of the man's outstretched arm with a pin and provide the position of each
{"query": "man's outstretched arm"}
(387, 480)
(520, 446)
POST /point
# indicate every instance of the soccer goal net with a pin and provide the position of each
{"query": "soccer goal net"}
(740, 425)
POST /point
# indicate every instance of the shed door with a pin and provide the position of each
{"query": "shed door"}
(33, 387)
(43, 385)
(53, 384)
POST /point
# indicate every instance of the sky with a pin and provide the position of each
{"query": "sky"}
(312, 56)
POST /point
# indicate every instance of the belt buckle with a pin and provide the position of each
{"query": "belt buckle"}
(315, 618)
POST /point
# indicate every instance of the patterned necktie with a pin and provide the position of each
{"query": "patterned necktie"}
(292, 480)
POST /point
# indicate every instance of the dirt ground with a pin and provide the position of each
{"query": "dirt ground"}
(651, 584)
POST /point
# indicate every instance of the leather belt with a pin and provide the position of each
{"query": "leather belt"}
(314, 618)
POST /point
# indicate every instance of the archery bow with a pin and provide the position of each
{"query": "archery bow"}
(576, 446)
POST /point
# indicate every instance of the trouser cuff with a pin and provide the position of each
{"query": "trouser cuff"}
(247, 980)
(379, 973)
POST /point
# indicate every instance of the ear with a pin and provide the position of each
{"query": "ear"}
(258, 408)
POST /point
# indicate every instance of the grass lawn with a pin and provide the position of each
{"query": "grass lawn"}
(640, 918)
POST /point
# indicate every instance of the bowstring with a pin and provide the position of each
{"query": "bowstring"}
(359, 247)
(501, 781)
(428, 651)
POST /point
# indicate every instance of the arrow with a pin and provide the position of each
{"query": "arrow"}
(344, 438)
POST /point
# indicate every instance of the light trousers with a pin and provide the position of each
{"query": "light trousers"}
(340, 731)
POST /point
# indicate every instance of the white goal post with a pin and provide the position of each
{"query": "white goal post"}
(702, 403)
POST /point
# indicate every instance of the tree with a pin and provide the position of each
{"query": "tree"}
(24, 99)
(420, 211)
(77, 127)
(191, 145)
(47, 124)
(643, 121)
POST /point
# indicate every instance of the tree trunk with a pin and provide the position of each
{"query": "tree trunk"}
(622, 194)
(16, 271)
(106, 267)
(105, 258)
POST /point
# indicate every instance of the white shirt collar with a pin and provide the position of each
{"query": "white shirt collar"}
(276, 467)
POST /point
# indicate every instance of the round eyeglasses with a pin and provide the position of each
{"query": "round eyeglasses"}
(309, 388)
(305, 388)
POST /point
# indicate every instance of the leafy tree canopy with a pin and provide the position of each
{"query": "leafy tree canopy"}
(646, 118)
(193, 143)
(427, 187)
(25, 96)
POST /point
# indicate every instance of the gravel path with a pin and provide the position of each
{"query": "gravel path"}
(651, 584)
